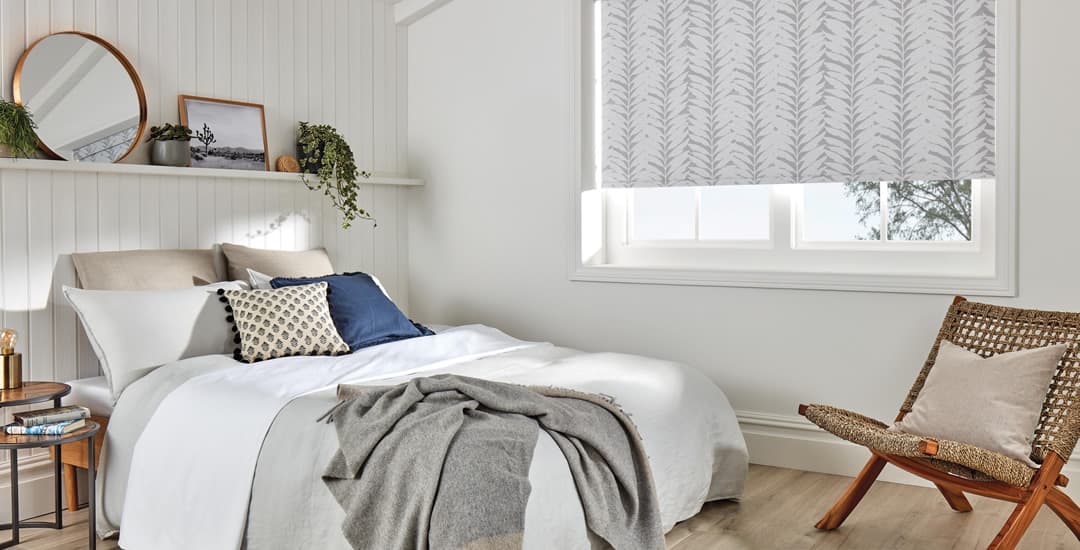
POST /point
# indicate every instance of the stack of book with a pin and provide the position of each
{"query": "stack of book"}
(58, 421)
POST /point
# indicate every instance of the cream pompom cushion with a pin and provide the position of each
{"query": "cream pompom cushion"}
(282, 322)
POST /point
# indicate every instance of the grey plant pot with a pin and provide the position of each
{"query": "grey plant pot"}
(171, 153)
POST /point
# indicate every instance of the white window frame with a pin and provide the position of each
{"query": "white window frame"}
(601, 252)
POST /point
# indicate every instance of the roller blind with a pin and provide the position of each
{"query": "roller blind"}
(715, 92)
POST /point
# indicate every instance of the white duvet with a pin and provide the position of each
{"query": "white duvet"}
(210, 453)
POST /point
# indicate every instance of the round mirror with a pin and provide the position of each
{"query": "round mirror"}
(85, 97)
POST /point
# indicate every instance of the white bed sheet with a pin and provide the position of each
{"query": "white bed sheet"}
(161, 424)
(92, 393)
(694, 445)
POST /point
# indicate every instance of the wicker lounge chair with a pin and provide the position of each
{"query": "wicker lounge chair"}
(957, 468)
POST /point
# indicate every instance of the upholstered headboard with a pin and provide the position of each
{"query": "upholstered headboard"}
(149, 269)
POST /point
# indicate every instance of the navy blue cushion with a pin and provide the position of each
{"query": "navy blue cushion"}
(364, 316)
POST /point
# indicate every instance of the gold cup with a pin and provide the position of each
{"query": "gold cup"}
(10, 362)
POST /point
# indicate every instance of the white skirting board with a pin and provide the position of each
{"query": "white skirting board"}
(793, 442)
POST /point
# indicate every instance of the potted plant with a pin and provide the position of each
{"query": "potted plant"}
(325, 153)
(17, 130)
(171, 145)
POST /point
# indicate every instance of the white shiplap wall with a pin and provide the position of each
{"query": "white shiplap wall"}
(327, 61)
(46, 215)
(324, 61)
(332, 61)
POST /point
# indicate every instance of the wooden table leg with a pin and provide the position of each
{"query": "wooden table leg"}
(71, 482)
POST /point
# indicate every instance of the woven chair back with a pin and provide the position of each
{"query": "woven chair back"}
(989, 330)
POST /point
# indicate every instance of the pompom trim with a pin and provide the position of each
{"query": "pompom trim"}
(237, 355)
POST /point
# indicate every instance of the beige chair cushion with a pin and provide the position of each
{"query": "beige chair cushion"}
(992, 403)
(275, 263)
(148, 269)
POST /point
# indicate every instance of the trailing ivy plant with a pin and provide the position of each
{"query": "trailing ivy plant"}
(170, 132)
(17, 129)
(326, 154)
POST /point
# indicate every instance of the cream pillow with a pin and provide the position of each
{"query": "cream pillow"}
(148, 269)
(992, 403)
(276, 263)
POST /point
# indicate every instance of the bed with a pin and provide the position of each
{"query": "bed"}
(207, 452)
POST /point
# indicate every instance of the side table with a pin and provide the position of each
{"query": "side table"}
(38, 392)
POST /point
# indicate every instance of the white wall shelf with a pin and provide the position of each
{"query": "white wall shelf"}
(150, 169)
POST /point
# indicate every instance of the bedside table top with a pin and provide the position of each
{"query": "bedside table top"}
(8, 442)
(33, 392)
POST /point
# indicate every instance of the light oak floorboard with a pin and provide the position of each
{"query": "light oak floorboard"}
(780, 507)
(778, 511)
(72, 537)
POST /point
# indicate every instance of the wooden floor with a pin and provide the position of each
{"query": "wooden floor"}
(780, 507)
(778, 512)
(73, 536)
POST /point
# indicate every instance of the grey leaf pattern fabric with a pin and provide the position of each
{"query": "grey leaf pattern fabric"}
(717, 92)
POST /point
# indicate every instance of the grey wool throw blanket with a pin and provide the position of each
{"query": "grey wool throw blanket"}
(443, 462)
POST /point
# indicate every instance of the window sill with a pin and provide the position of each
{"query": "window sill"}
(1002, 285)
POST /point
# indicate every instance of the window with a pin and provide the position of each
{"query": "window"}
(862, 213)
(946, 236)
(700, 214)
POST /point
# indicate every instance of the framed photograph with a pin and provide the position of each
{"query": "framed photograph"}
(228, 134)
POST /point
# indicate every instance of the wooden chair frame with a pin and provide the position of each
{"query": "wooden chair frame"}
(1044, 488)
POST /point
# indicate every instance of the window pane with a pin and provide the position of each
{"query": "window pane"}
(735, 212)
(663, 213)
(930, 210)
(841, 211)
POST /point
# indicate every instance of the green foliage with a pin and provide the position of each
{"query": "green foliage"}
(206, 137)
(918, 210)
(170, 132)
(17, 129)
(329, 155)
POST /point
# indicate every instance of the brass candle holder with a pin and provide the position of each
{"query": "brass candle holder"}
(10, 361)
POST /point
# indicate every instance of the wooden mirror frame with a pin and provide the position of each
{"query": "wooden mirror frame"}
(139, 90)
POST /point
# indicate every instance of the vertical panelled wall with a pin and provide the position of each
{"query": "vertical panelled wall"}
(325, 61)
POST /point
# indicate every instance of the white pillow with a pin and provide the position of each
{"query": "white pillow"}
(992, 403)
(261, 281)
(136, 331)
